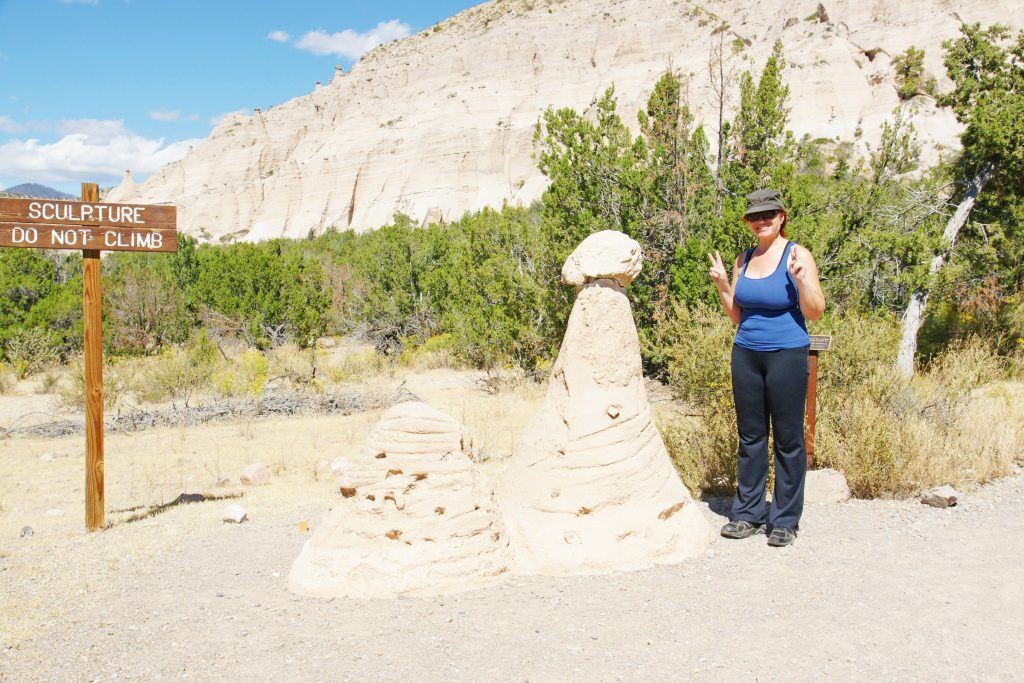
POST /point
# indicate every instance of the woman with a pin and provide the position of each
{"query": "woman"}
(774, 290)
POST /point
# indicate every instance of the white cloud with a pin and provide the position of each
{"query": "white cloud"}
(91, 150)
(279, 36)
(168, 116)
(8, 125)
(96, 129)
(164, 115)
(351, 44)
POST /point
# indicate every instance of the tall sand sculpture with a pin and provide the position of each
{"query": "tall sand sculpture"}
(414, 516)
(590, 487)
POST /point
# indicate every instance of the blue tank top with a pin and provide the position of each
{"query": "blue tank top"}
(770, 317)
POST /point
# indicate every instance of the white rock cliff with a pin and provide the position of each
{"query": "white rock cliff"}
(442, 122)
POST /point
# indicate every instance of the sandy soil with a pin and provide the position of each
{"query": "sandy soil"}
(871, 590)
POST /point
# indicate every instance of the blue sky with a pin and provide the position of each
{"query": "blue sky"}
(91, 87)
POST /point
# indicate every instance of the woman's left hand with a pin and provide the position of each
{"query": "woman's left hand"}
(798, 263)
(804, 270)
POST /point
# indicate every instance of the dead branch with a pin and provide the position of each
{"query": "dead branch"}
(270, 405)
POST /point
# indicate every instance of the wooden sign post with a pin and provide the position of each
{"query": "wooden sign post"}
(92, 227)
(819, 343)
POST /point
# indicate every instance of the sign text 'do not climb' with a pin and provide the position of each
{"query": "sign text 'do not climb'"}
(59, 224)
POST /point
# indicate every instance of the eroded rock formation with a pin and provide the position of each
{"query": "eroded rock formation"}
(590, 487)
(414, 516)
(445, 118)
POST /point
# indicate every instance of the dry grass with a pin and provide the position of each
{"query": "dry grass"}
(957, 423)
(152, 467)
(703, 448)
(434, 353)
(203, 371)
(702, 443)
(7, 379)
(146, 469)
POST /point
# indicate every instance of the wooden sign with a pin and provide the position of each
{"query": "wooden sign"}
(93, 227)
(60, 224)
(819, 343)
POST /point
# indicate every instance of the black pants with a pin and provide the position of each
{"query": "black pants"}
(770, 388)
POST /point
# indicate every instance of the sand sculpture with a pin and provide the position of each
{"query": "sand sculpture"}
(590, 487)
(415, 516)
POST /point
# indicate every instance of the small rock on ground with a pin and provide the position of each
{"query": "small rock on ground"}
(256, 474)
(235, 514)
(941, 497)
(826, 486)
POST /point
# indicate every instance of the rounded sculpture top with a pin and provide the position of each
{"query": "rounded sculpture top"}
(608, 254)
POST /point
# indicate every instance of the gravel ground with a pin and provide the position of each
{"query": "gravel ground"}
(872, 590)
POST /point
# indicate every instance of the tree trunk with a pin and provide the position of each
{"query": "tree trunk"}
(720, 80)
(914, 317)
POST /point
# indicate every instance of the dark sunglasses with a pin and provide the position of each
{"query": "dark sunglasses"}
(768, 215)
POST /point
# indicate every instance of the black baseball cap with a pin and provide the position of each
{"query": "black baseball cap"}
(763, 200)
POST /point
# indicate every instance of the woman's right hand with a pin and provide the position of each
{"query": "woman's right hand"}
(718, 273)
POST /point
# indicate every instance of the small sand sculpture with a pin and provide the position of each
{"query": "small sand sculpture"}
(415, 516)
(590, 487)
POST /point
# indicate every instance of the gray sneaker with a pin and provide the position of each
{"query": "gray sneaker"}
(741, 528)
(781, 536)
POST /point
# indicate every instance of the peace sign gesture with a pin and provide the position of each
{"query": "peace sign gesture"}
(718, 272)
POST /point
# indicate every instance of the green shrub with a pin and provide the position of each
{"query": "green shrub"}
(697, 343)
(703, 448)
(861, 346)
(145, 306)
(181, 372)
(356, 365)
(438, 351)
(890, 436)
(29, 350)
(119, 384)
(296, 367)
(893, 436)
(272, 292)
(910, 80)
(246, 376)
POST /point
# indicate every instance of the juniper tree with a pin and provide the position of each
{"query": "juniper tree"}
(987, 70)
(761, 144)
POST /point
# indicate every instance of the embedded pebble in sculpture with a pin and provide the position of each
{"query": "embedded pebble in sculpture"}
(413, 517)
(590, 487)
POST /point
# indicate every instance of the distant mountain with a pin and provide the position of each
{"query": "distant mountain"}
(37, 190)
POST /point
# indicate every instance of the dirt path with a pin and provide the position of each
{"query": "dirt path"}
(872, 590)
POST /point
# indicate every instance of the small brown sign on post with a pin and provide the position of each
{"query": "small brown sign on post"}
(819, 343)
(87, 225)
(93, 227)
